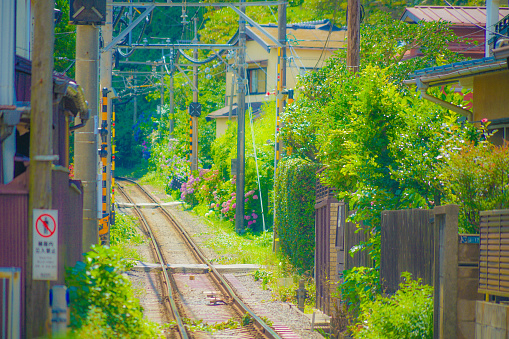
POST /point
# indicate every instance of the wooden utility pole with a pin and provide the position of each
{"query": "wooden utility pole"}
(41, 157)
(281, 36)
(241, 126)
(354, 36)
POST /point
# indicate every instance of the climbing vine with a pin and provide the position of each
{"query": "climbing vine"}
(295, 206)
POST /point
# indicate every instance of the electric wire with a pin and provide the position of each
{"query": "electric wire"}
(255, 155)
(332, 24)
(473, 23)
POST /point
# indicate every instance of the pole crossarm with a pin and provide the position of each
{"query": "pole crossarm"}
(180, 46)
(126, 31)
(185, 75)
(196, 4)
(255, 24)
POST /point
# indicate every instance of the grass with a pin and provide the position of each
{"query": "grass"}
(124, 236)
(153, 179)
(135, 172)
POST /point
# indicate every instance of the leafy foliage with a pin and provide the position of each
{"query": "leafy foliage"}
(408, 314)
(295, 206)
(98, 289)
(123, 231)
(477, 179)
(359, 285)
(65, 41)
(390, 46)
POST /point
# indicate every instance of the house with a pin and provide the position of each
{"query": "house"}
(466, 21)
(309, 45)
(67, 197)
(488, 78)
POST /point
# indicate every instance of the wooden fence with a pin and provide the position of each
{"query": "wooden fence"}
(406, 246)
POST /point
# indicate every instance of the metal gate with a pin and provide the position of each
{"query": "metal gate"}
(10, 299)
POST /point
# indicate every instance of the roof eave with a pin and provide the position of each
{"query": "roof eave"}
(256, 38)
(457, 75)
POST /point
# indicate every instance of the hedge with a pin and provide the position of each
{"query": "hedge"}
(295, 211)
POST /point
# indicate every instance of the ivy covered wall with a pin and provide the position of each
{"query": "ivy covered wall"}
(295, 210)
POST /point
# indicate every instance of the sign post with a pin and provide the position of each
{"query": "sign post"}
(45, 245)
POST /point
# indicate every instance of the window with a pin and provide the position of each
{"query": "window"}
(257, 80)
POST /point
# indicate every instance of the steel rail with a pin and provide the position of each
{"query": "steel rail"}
(196, 4)
(238, 304)
(182, 329)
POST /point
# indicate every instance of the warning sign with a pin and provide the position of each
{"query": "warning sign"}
(45, 245)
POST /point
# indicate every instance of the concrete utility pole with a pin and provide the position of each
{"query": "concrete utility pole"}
(354, 35)
(135, 104)
(161, 103)
(85, 142)
(194, 152)
(232, 91)
(241, 126)
(41, 157)
(172, 101)
(280, 86)
(105, 76)
(492, 9)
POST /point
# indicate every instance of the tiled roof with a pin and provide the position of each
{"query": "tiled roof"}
(450, 73)
(452, 67)
(457, 15)
(223, 112)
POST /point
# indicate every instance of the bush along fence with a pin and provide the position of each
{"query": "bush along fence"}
(295, 208)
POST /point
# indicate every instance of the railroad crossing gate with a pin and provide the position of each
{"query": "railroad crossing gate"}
(45, 245)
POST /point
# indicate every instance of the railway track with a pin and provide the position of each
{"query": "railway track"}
(258, 328)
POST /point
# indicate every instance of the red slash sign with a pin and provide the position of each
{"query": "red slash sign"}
(45, 225)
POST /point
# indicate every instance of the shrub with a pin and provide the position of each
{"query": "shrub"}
(123, 231)
(477, 179)
(408, 314)
(98, 289)
(295, 208)
(360, 284)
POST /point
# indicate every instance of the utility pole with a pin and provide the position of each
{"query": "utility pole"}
(232, 90)
(281, 36)
(172, 100)
(105, 76)
(241, 125)
(194, 119)
(280, 86)
(41, 157)
(161, 103)
(354, 35)
(135, 104)
(85, 141)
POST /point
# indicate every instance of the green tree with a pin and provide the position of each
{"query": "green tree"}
(65, 41)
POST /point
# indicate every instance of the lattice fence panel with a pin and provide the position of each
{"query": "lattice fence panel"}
(494, 254)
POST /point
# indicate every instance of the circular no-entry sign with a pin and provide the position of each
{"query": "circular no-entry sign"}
(45, 225)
